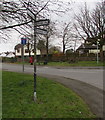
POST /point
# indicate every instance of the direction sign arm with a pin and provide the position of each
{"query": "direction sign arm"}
(43, 22)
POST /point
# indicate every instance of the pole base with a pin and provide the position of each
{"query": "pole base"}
(35, 96)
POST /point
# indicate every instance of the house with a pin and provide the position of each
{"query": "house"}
(87, 48)
(28, 50)
(7, 54)
(3, 54)
(10, 55)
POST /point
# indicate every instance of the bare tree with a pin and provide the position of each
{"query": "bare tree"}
(67, 36)
(41, 46)
(90, 25)
(16, 14)
(51, 32)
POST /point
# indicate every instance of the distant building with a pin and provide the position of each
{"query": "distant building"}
(87, 48)
(3, 54)
(10, 55)
(27, 52)
(7, 54)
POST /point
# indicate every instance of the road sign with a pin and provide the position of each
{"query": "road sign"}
(42, 22)
(41, 31)
(23, 41)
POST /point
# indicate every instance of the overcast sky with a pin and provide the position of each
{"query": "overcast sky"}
(15, 39)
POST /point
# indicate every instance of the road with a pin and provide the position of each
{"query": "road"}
(91, 76)
(87, 83)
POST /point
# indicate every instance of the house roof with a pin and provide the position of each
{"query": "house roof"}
(87, 46)
(18, 46)
(10, 55)
(3, 55)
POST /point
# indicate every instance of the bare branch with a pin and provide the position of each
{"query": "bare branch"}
(15, 25)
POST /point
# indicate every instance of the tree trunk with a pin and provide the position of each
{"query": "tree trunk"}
(63, 47)
(28, 47)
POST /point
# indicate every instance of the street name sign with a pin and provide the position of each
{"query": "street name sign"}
(43, 22)
(41, 31)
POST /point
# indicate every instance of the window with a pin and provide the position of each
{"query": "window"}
(33, 50)
(26, 50)
(18, 51)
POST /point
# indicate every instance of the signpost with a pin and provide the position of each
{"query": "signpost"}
(42, 22)
(41, 31)
(37, 23)
(23, 42)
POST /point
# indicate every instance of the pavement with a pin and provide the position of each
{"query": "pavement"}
(93, 96)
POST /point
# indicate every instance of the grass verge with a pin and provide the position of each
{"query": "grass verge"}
(53, 99)
(79, 63)
(65, 64)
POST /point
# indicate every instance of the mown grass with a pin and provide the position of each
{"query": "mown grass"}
(53, 99)
(78, 63)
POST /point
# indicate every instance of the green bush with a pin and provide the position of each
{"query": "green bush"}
(5, 59)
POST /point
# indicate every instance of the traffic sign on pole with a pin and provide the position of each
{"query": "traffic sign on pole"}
(43, 22)
(41, 31)
(23, 41)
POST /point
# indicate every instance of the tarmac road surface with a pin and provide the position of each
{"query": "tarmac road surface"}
(86, 82)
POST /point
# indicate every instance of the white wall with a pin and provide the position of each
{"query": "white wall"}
(94, 51)
(27, 54)
(103, 47)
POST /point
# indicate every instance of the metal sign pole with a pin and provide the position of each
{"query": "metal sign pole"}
(23, 56)
(34, 21)
(23, 42)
